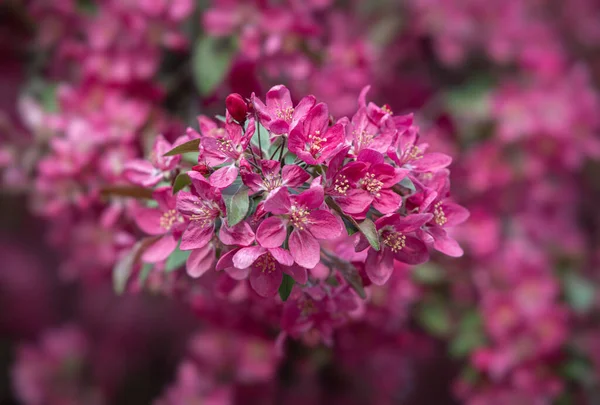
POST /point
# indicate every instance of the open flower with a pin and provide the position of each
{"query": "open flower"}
(279, 115)
(225, 146)
(201, 208)
(163, 221)
(309, 222)
(315, 141)
(445, 214)
(397, 242)
(148, 173)
(378, 178)
(272, 177)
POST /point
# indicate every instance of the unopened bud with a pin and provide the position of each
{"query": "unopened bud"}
(237, 107)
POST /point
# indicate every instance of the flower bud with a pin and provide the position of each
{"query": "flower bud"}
(237, 107)
(201, 168)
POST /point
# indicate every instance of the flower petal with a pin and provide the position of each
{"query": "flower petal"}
(413, 252)
(299, 274)
(379, 266)
(311, 198)
(444, 243)
(431, 162)
(271, 233)
(246, 256)
(265, 283)
(294, 176)
(160, 250)
(200, 261)
(224, 177)
(196, 236)
(387, 201)
(282, 256)
(355, 201)
(240, 235)
(148, 220)
(324, 225)
(279, 202)
(455, 214)
(164, 197)
(304, 248)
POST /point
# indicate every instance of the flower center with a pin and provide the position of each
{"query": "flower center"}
(387, 109)
(265, 263)
(285, 113)
(169, 218)
(315, 142)
(439, 215)
(203, 214)
(395, 241)
(414, 153)
(363, 138)
(299, 217)
(272, 181)
(225, 145)
(371, 184)
(341, 185)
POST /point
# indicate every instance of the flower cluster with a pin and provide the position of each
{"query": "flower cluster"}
(276, 183)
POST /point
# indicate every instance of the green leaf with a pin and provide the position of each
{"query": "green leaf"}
(285, 289)
(579, 292)
(428, 274)
(176, 259)
(181, 181)
(145, 272)
(189, 146)
(469, 335)
(237, 207)
(264, 140)
(211, 61)
(367, 228)
(350, 228)
(408, 184)
(434, 318)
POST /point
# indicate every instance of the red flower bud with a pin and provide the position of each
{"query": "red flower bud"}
(237, 107)
(202, 168)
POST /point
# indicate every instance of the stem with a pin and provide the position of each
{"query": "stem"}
(259, 137)
(282, 148)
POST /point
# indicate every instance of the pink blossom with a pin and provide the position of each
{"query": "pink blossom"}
(165, 222)
(397, 243)
(201, 208)
(315, 141)
(279, 114)
(309, 222)
(150, 172)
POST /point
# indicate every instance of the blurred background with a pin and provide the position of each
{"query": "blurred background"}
(508, 88)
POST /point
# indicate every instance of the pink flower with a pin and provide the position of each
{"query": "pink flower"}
(163, 221)
(314, 141)
(201, 208)
(148, 173)
(407, 153)
(397, 242)
(265, 267)
(225, 146)
(279, 115)
(273, 177)
(445, 213)
(342, 181)
(378, 178)
(309, 224)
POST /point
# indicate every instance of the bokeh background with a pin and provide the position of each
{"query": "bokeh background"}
(508, 88)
